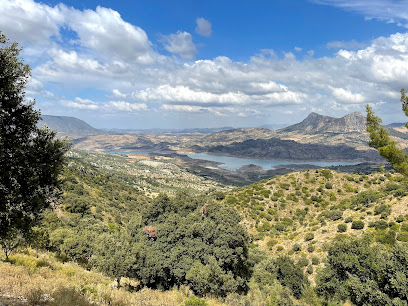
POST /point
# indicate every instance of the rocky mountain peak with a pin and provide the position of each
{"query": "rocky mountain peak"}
(315, 123)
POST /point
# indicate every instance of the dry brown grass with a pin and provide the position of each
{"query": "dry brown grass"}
(27, 280)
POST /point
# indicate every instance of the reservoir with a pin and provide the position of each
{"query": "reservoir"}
(234, 163)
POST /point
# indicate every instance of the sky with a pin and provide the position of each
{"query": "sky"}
(205, 63)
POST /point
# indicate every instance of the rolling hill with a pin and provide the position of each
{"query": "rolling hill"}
(69, 126)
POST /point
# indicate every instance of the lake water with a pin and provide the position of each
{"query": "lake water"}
(234, 163)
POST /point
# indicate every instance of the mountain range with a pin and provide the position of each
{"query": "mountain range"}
(69, 126)
(317, 137)
(317, 124)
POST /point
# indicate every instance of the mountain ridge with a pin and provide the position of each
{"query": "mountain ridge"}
(315, 123)
(71, 127)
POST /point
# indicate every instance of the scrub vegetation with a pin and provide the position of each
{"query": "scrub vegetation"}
(78, 230)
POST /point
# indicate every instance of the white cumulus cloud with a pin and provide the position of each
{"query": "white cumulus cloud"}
(181, 44)
(124, 106)
(203, 27)
(347, 96)
(104, 31)
(104, 53)
(30, 22)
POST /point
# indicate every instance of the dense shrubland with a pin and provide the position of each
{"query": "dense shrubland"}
(104, 224)
(266, 243)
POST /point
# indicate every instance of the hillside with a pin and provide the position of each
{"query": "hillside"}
(69, 126)
(348, 130)
(145, 173)
(317, 137)
(330, 138)
(293, 222)
(318, 129)
(315, 123)
(275, 148)
(315, 128)
(45, 280)
(300, 213)
(234, 135)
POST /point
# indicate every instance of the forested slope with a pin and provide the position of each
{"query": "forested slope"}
(285, 240)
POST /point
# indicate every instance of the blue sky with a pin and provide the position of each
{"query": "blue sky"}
(178, 64)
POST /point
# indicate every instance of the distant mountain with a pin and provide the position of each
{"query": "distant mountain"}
(69, 126)
(276, 148)
(393, 125)
(317, 137)
(233, 135)
(172, 131)
(315, 124)
(273, 126)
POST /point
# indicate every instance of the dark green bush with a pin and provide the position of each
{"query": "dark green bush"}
(392, 187)
(271, 243)
(326, 173)
(297, 247)
(333, 214)
(279, 248)
(303, 262)
(380, 209)
(386, 237)
(341, 228)
(402, 237)
(357, 225)
(284, 271)
(280, 227)
(315, 260)
(404, 227)
(363, 273)
(365, 198)
(379, 224)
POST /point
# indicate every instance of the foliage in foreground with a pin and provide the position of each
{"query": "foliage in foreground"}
(365, 273)
(30, 158)
(183, 240)
(380, 138)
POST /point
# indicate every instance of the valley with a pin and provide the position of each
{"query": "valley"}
(251, 231)
(315, 142)
(203, 153)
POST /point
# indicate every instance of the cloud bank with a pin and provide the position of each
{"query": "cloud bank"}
(96, 51)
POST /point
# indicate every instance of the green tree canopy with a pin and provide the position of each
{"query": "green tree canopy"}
(30, 158)
(364, 273)
(185, 240)
(380, 138)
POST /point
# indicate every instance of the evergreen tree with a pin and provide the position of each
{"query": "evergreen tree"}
(380, 138)
(30, 158)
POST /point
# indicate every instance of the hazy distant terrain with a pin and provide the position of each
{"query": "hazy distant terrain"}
(69, 126)
(317, 137)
